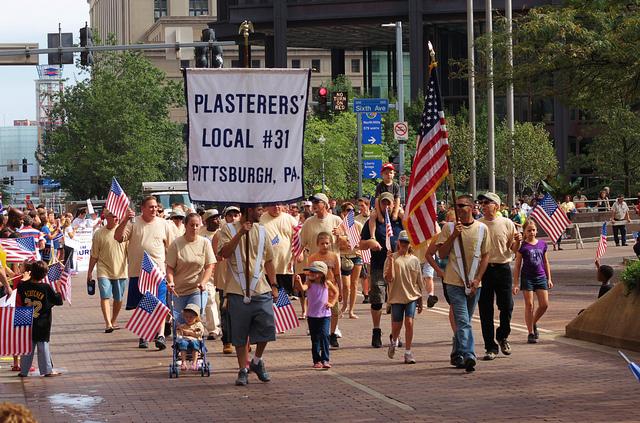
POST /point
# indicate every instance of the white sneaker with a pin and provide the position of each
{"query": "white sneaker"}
(392, 350)
(338, 333)
(408, 358)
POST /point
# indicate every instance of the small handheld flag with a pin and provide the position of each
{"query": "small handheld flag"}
(296, 244)
(150, 275)
(19, 249)
(148, 317)
(552, 219)
(117, 200)
(602, 242)
(635, 369)
(15, 330)
(388, 230)
(283, 313)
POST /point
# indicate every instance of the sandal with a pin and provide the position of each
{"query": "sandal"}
(183, 366)
(109, 330)
(15, 368)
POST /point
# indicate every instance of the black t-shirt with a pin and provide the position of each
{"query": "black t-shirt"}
(42, 298)
(393, 189)
(378, 257)
(606, 287)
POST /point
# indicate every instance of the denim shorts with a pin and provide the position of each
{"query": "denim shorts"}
(427, 270)
(112, 288)
(533, 284)
(188, 344)
(400, 311)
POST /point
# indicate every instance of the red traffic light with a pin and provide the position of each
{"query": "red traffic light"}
(322, 92)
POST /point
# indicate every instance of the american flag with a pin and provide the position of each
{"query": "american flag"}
(275, 240)
(53, 274)
(283, 313)
(602, 242)
(15, 330)
(296, 245)
(430, 167)
(148, 317)
(150, 275)
(349, 224)
(550, 217)
(117, 200)
(65, 282)
(19, 249)
(388, 230)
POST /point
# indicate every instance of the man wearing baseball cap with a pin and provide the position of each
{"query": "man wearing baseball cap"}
(503, 240)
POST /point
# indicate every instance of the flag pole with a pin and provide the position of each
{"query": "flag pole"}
(451, 182)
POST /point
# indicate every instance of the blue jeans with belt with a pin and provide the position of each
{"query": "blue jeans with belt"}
(463, 307)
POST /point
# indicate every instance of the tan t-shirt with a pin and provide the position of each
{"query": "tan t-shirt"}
(153, 237)
(313, 226)
(469, 238)
(177, 231)
(501, 233)
(361, 218)
(231, 271)
(111, 254)
(203, 232)
(188, 260)
(407, 279)
(279, 232)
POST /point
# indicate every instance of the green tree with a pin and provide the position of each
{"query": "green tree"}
(116, 123)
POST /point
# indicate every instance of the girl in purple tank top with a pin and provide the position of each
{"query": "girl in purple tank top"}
(322, 294)
(534, 273)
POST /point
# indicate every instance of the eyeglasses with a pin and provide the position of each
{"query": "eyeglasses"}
(461, 206)
(348, 210)
(486, 202)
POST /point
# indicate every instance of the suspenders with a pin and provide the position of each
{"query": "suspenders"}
(458, 265)
(257, 268)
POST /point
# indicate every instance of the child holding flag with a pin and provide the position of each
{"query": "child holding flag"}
(534, 272)
(40, 296)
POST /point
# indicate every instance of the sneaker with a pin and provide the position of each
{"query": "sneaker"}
(392, 350)
(457, 361)
(161, 343)
(211, 337)
(227, 349)
(338, 333)
(470, 364)
(333, 341)
(317, 365)
(365, 300)
(535, 331)
(167, 328)
(531, 339)
(408, 358)
(260, 371)
(376, 338)
(326, 365)
(142, 343)
(490, 355)
(431, 301)
(243, 378)
(505, 347)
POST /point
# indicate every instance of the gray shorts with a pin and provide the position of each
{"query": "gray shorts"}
(253, 320)
(377, 287)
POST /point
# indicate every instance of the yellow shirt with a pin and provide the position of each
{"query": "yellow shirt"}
(110, 254)
(407, 279)
(501, 233)
(188, 260)
(197, 327)
(279, 232)
(313, 226)
(153, 237)
(469, 238)
(3, 259)
(231, 272)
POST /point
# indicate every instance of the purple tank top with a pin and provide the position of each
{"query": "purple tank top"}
(317, 297)
(533, 259)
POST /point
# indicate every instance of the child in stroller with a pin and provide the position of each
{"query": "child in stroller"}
(189, 336)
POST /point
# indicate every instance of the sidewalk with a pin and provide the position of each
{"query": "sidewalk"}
(108, 379)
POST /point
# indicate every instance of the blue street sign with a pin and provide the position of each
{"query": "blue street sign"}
(371, 128)
(371, 168)
(367, 105)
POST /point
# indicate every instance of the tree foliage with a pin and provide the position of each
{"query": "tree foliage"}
(116, 123)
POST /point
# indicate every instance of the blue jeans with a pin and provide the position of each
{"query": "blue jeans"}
(319, 331)
(179, 303)
(463, 307)
(45, 365)
(188, 344)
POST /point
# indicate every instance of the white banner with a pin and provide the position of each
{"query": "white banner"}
(246, 131)
(81, 244)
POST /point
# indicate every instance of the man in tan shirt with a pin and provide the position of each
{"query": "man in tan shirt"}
(111, 258)
(504, 240)
(148, 233)
(279, 226)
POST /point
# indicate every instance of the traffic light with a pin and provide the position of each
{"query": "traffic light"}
(24, 166)
(11, 181)
(86, 40)
(6, 180)
(203, 57)
(322, 99)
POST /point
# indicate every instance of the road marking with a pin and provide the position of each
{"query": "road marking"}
(515, 326)
(371, 391)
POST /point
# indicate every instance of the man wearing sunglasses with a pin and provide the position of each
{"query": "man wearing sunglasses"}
(504, 240)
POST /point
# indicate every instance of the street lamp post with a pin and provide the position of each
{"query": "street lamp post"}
(322, 139)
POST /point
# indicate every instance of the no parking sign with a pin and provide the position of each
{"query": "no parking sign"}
(400, 131)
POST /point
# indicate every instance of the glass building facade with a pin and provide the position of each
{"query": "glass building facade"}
(18, 143)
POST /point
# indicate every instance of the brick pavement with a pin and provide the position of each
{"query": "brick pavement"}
(108, 379)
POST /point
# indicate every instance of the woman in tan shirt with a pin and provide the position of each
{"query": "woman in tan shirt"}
(403, 274)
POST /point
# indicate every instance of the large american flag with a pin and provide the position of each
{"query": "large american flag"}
(150, 275)
(296, 244)
(552, 219)
(388, 230)
(19, 249)
(283, 313)
(117, 201)
(430, 167)
(15, 330)
(148, 317)
(602, 242)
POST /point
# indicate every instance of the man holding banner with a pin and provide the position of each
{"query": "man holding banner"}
(248, 295)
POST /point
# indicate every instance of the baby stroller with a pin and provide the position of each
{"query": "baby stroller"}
(203, 366)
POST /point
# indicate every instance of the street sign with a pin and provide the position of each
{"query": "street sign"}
(340, 101)
(373, 152)
(371, 168)
(368, 105)
(400, 131)
(55, 40)
(371, 128)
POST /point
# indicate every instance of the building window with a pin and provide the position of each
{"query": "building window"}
(159, 9)
(198, 7)
(315, 65)
(375, 65)
(295, 63)
(255, 63)
(236, 64)
(357, 90)
(355, 65)
(184, 64)
(375, 92)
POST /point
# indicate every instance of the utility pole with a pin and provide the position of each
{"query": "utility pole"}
(511, 198)
(472, 95)
(490, 100)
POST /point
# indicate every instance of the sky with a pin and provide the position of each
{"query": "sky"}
(29, 22)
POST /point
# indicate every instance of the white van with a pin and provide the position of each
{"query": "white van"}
(168, 193)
